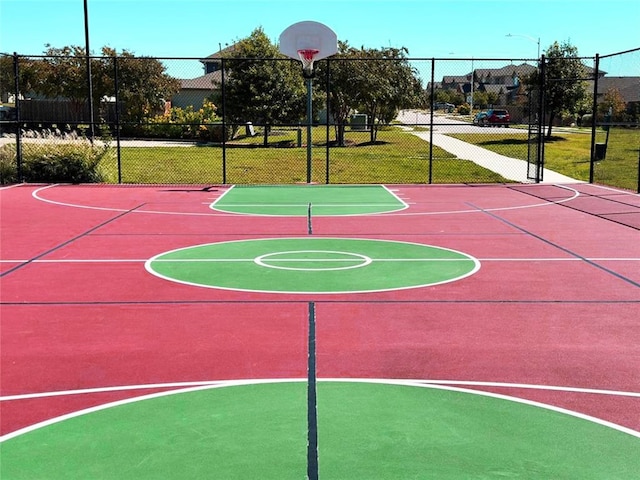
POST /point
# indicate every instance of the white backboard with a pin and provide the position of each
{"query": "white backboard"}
(308, 35)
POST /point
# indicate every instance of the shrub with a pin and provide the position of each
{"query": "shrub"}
(464, 109)
(77, 162)
(8, 172)
(187, 123)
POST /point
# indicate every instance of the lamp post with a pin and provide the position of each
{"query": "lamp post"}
(534, 40)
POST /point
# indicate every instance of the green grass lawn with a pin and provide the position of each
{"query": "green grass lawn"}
(570, 153)
(396, 157)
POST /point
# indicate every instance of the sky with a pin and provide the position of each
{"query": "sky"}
(427, 28)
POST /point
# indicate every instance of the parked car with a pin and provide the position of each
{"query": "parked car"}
(492, 117)
(480, 118)
(7, 113)
(447, 107)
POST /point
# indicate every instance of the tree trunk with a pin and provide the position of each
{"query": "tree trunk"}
(552, 117)
(340, 129)
(372, 125)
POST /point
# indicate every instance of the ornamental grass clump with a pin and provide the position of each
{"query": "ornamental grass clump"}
(73, 162)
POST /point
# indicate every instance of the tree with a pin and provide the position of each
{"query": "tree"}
(442, 95)
(63, 74)
(492, 98)
(143, 83)
(387, 83)
(260, 89)
(564, 83)
(613, 104)
(27, 75)
(342, 69)
(377, 82)
(480, 99)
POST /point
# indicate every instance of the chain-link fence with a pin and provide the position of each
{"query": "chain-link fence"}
(229, 121)
(616, 130)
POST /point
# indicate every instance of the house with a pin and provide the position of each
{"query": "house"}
(193, 91)
(504, 81)
(629, 87)
(508, 76)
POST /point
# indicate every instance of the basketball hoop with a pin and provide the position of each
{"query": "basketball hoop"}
(307, 57)
(308, 42)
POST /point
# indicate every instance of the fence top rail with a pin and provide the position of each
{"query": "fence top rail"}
(360, 59)
(637, 49)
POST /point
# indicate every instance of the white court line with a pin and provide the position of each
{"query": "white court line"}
(121, 388)
(403, 205)
(186, 387)
(220, 197)
(305, 205)
(285, 260)
(392, 192)
(150, 386)
(442, 386)
(595, 391)
(36, 194)
(604, 187)
(7, 187)
(142, 260)
(568, 259)
(91, 260)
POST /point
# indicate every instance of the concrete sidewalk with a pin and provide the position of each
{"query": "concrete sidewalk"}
(510, 168)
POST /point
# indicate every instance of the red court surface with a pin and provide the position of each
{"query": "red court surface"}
(551, 316)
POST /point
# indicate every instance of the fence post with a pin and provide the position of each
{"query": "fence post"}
(431, 99)
(638, 188)
(594, 116)
(115, 84)
(224, 124)
(16, 72)
(542, 112)
(328, 109)
(89, 79)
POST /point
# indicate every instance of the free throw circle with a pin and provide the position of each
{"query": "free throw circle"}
(312, 260)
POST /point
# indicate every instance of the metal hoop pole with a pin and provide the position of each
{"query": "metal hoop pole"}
(309, 125)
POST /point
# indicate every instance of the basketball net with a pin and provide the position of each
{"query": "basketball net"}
(307, 56)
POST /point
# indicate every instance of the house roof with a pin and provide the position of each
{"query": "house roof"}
(506, 71)
(220, 53)
(498, 89)
(456, 78)
(629, 87)
(205, 82)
